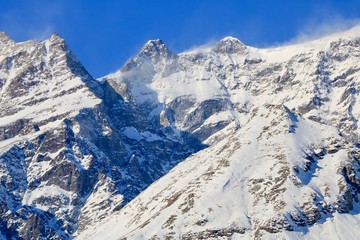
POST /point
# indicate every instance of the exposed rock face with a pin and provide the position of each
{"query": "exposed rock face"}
(230, 45)
(72, 151)
(155, 49)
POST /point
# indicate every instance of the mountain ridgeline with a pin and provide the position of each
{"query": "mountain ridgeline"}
(220, 142)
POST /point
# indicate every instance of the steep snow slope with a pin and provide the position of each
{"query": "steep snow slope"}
(71, 149)
(283, 128)
(265, 178)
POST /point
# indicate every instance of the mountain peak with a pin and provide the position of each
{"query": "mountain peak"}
(55, 37)
(155, 49)
(5, 39)
(229, 45)
(230, 39)
(155, 42)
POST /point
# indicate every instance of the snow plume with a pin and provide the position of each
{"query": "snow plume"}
(41, 34)
(142, 74)
(315, 28)
(208, 44)
(34, 21)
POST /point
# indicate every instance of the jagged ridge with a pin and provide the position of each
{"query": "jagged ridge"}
(280, 123)
(72, 150)
(283, 134)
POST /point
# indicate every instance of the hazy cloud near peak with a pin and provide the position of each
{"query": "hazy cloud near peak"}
(311, 29)
(208, 44)
(315, 28)
(36, 21)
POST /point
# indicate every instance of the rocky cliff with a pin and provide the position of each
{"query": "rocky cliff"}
(72, 149)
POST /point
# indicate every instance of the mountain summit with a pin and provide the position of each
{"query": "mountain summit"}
(5, 39)
(155, 49)
(230, 45)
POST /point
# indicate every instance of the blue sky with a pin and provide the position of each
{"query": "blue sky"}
(104, 34)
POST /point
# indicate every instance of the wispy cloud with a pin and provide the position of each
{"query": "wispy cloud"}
(32, 21)
(208, 44)
(315, 28)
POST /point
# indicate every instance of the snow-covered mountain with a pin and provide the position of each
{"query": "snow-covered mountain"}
(282, 129)
(227, 141)
(71, 149)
